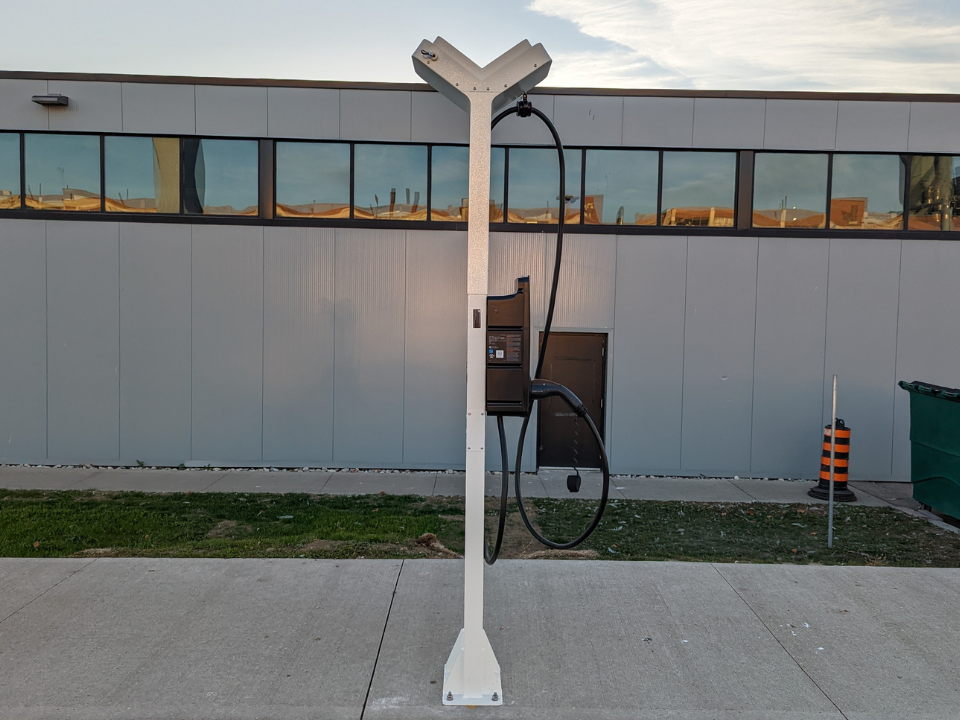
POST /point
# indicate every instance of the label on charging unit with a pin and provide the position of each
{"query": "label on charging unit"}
(505, 347)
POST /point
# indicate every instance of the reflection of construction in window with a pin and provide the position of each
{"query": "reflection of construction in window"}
(934, 193)
(142, 174)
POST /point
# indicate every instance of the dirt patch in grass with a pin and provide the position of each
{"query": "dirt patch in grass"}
(95, 553)
(229, 529)
(551, 554)
(517, 541)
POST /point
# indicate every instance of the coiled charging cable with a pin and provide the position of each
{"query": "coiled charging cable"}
(544, 388)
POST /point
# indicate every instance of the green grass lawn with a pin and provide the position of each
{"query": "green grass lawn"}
(37, 523)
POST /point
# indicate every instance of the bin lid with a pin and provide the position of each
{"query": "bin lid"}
(923, 388)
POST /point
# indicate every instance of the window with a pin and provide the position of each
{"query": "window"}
(534, 184)
(934, 192)
(498, 176)
(867, 192)
(698, 188)
(450, 183)
(789, 190)
(220, 177)
(313, 180)
(621, 187)
(9, 171)
(141, 174)
(379, 171)
(62, 172)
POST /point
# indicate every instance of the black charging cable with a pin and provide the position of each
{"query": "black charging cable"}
(544, 388)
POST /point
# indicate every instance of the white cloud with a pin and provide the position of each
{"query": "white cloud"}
(860, 45)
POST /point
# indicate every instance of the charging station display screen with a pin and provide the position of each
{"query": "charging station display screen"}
(504, 347)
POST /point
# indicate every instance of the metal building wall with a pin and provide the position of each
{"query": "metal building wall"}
(246, 345)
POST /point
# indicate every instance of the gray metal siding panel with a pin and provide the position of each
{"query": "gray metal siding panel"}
(231, 110)
(873, 126)
(23, 351)
(514, 255)
(647, 358)
(368, 405)
(658, 122)
(375, 115)
(155, 365)
(862, 347)
(303, 112)
(154, 108)
(589, 120)
(94, 106)
(435, 397)
(788, 366)
(718, 354)
(17, 110)
(83, 329)
(800, 125)
(585, 295)
(298, 342)
(436, 119)
(527, 131)
(227, 343)
(728, 123)
(928, 336)
(512, 432)
(934, 128)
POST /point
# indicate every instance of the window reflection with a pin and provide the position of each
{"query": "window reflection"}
(698, 188)
(142, 174)
(450, 183)
(934, 192)
(9, 171)
(867, 192)
(621, 187)
(379, 171)
(498, 176)
(62, 172)
(313, 180)
(534, 185)
(790, 190)
(220, 177)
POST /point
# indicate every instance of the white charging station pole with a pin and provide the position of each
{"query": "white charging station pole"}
(472, 674)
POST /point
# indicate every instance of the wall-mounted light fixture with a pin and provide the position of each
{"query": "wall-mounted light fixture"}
(52, 99)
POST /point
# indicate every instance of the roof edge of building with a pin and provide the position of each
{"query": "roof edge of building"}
(423, 87)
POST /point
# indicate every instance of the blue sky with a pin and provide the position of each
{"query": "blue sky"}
(852, 45)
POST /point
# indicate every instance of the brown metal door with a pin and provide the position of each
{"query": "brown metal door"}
(577, 360)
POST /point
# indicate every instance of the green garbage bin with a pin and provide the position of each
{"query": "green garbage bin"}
(935, 446)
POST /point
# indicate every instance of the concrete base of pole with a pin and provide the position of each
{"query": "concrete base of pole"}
(454, 682)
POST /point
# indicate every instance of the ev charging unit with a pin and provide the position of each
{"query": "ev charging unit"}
(471, 675)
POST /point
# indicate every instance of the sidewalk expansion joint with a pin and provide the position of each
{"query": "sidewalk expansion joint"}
(743, 490)
(386, 621)
(30, 602)
(220, 477)
(782, 646)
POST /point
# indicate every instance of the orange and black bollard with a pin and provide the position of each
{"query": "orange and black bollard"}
(841, 463)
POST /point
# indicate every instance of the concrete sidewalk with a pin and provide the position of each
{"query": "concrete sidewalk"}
(325, 639)
(547, 483)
